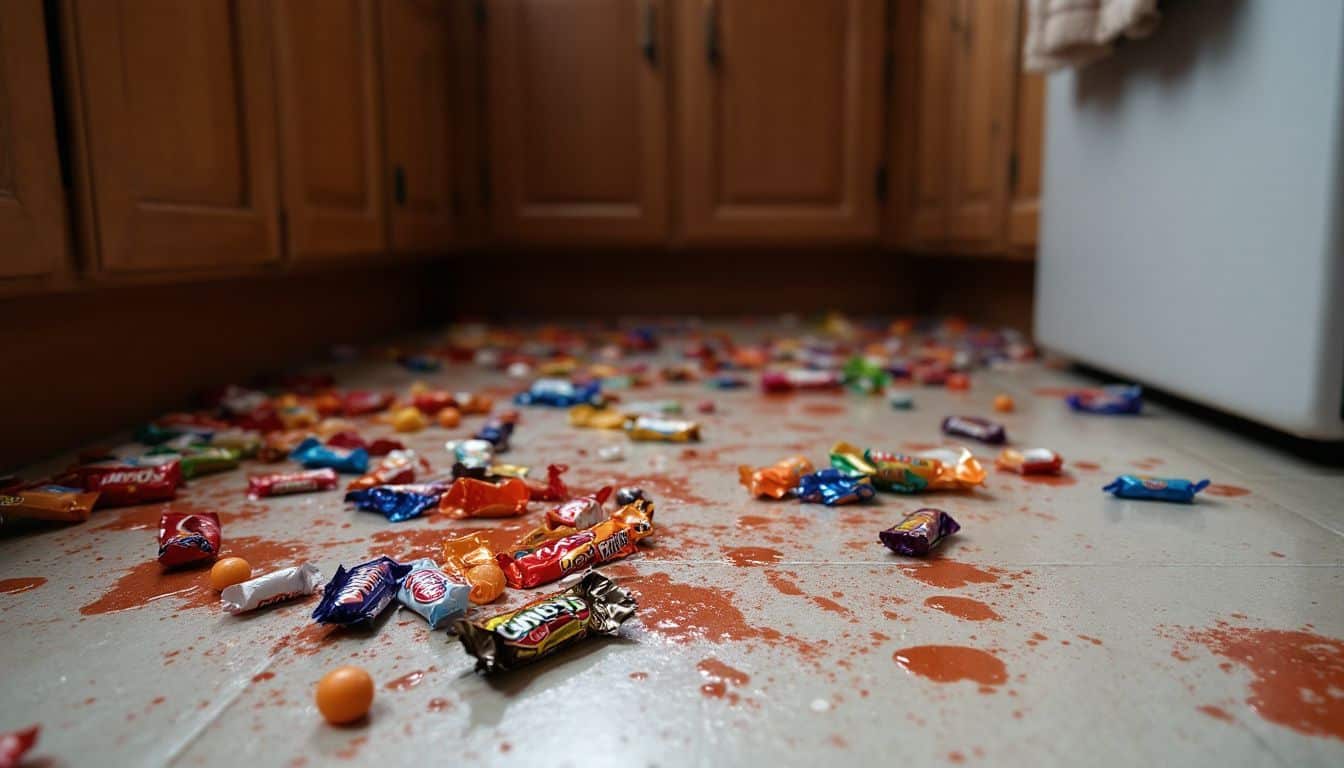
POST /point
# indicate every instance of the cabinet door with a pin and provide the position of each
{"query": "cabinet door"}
(32, 208)
(780, 111)
(178, 121)
(331, 156)
(922, 120)
(578, 120)
(419, 113)
(1028, 139)
(984, 46)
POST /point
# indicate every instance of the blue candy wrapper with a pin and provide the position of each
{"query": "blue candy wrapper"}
(420, 363)
(312, 454)
(1155, 488)
(398, 502)
(434, 595)
(560, 393)
(1111, 400)
(833, 488)
(361, 593)
(496, 432)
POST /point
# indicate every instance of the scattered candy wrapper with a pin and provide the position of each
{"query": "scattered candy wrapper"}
(471, 454)
(976, 428)
(660, 429)
(471, 559)
(1030, 461)
(629, 495)
(121, 484)
(56, 503)
(312, 454)
(469, 497)
(583, 512)
(560, 393)
(271, 588)
(939, 469)
(777, 480)
(555, 558)
(1156, 488)
(496, 431)
(611, 452)
(594, 606)
(186, 539)
(833, 487)
(398, 503)
(15, 744)
(280, 484)
(591, 417)
(1117, 399)
(396, 468)
(799, 379)
(554, 488)
(919, 532)
(361, 593)
(901, 400)
(431, 593)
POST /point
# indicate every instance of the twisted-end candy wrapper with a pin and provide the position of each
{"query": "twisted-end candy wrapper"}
(469, 497)
(471, 558)
(777, 480)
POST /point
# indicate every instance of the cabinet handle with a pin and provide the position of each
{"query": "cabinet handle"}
(712, 52)
(648, 34)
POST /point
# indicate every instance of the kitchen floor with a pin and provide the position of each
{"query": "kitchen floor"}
(1061, 626)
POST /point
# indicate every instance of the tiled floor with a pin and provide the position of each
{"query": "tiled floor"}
(1061, 627)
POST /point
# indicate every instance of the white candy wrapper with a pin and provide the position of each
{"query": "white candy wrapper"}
(269, 589)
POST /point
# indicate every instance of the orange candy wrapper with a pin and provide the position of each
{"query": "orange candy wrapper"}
(471, 559)
(1030, 461)
(777, 480)
(396, 468)
(469, 497)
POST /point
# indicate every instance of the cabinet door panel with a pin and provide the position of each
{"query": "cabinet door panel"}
(329, 109)
(1028, 140)
(179, 124)
(926, 31)
(420, 117)
(578, 120)
(780, 109)
(33, 242)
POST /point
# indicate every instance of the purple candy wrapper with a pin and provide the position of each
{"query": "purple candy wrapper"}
(361, 593)
(984, 430)
(919, 532)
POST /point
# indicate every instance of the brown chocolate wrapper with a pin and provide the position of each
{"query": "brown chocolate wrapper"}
(594, 606)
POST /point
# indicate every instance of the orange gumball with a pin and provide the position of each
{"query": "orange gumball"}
(958, 381)
(1004, 404)
(344, 695)
(449, 418)
(229, 571)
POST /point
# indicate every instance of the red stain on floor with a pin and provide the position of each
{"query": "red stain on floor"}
(1297, 676)
(408, 681)
(661, 486)
(829, 605)
(1092, 640)
(747, 556)
(1277, 554)
(950, 663)
(1217, 713)
(639, 675)
(1086, 466)
(684, 613)
(949, 574)
(963, 608)
(439, 704)
(785, 586)
(22, 584)
(262, 677)
(824, 409)
(956, 757)
(1227, 491)
(1056, 481)
(718, 677)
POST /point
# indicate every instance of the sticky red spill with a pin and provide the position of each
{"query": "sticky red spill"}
(1086, 466)
(785, 586)
(1298, 676)
(262, 677)
(408, 681)
(683, 613)
(1217, 713)
(1092, 640)
(718, 677)
(439, 704)
(963, 608)
(950, 663)
(956, 757)
(949, 574)
(639, 675)
(827, 604)
(307, 641)
(23, 584)
(1226, 491)
(824, 409)
(747, 556)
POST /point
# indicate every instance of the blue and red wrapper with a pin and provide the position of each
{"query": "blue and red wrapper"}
(360, 594)
(187, 539)
(833, 487)
(1156, 488)
(1114, 400)
(560, 393)
(433, 594)
(398, 502)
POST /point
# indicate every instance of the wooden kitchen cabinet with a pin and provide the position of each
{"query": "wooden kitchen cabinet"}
(420, 116)
(578, 120)
(173, 106)
(331, 150)
(33, 243)
(780, 109)
(1024, 177)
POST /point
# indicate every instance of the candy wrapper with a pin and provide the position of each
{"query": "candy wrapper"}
(384, 445)
(560, 393)
(666, 430)
(604, 542)
(186, 539)
(361, 402)
(833, 488)
(777, 480)
(940, 469)
(984, 430)
(591, 417)
(1156, 488)
(396, 468)
(473, 405)
(594, 606)
(398, 502)
(799, 379)
(270, 589)
(312, 454)
(431, 593)
(554, 489)
(431, 401)
(468, 497)
(496, 431)
(1109, 400)
(278, 445)
(15, 744)
(208, 460)
(629, 495)
(919, 532)
(864, 375)
(119, 485)
(246, 442)
(262, 486)
(476, 456)
(1030, 461)
(361, 593)
(471, 559)
(57, 503)
(580, 513)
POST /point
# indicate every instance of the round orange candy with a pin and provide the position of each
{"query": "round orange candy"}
(449, 418)
(958, 381)
(344, 695)
(1004, 404)
(229, 571)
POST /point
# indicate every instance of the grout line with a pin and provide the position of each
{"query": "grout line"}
(1004, 565)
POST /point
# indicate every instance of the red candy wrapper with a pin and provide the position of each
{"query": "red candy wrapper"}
(580, 513)
(15, 744)
(261, 486)
(360, 402)
(188, 538)
(1030, 461)
(430, 402)
(554, 489)
(397, 468)
(121, 485)
(609, 540)
(385, 445)
(348, 439)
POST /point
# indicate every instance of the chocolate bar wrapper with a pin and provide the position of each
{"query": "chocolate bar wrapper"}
(433, 594)
(361, 593)
(262, 486)
(583, 512)
(833, 487)
(1156, 488)
(1030, 461)
(976, 428)
(185, 539)
(666, 430)
(594, 606)
(398, 502)
(47, 502)
(919, 532)
(1126, 400)
(271, 588)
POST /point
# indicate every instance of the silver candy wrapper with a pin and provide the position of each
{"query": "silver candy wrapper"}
(274, 587)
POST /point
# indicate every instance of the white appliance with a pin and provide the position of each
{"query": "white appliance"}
(1192, 233)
